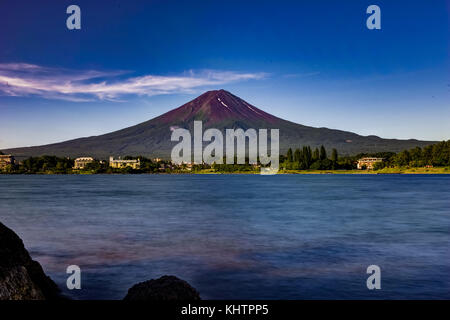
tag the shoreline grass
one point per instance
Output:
(438, 170)
(395, 170)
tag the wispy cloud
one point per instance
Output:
(301, 75)
(21, 79)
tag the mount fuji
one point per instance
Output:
(216, 109)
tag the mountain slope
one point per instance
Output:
(217, 109)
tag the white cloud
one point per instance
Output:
(301, 75)
(21, 79)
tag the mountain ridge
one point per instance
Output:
(216, 109)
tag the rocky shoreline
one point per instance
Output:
(22, 278)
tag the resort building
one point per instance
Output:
(6, 160)
(80, 163)
(118, 163)
(368, 163)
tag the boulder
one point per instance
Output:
(22, 278)
(166, 288)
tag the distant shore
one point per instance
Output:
(445, 170)
(400, 170)
(440, 170)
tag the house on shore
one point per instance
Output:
(368, 162)
(119, 164)
(80, 163)
(6, 160)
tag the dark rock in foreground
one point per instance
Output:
(22, 278)
(166, 288)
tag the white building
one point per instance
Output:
(80, 163)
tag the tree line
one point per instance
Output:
(58, 165)
(306, 158)
(317, 159)
(436, 155)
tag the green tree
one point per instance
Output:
(378, 165)
(323, 153)
(334, 158)
(307, 156)
(416, 154)
(289, 155)
(403, 158)
(297, 156)
(334, 155)
(316, 155)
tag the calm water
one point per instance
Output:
(238, 236)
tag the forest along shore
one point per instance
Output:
(432, 159)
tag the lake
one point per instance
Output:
(238, 236)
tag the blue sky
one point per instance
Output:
(311, 62)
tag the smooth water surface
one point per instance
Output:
(238, 236)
